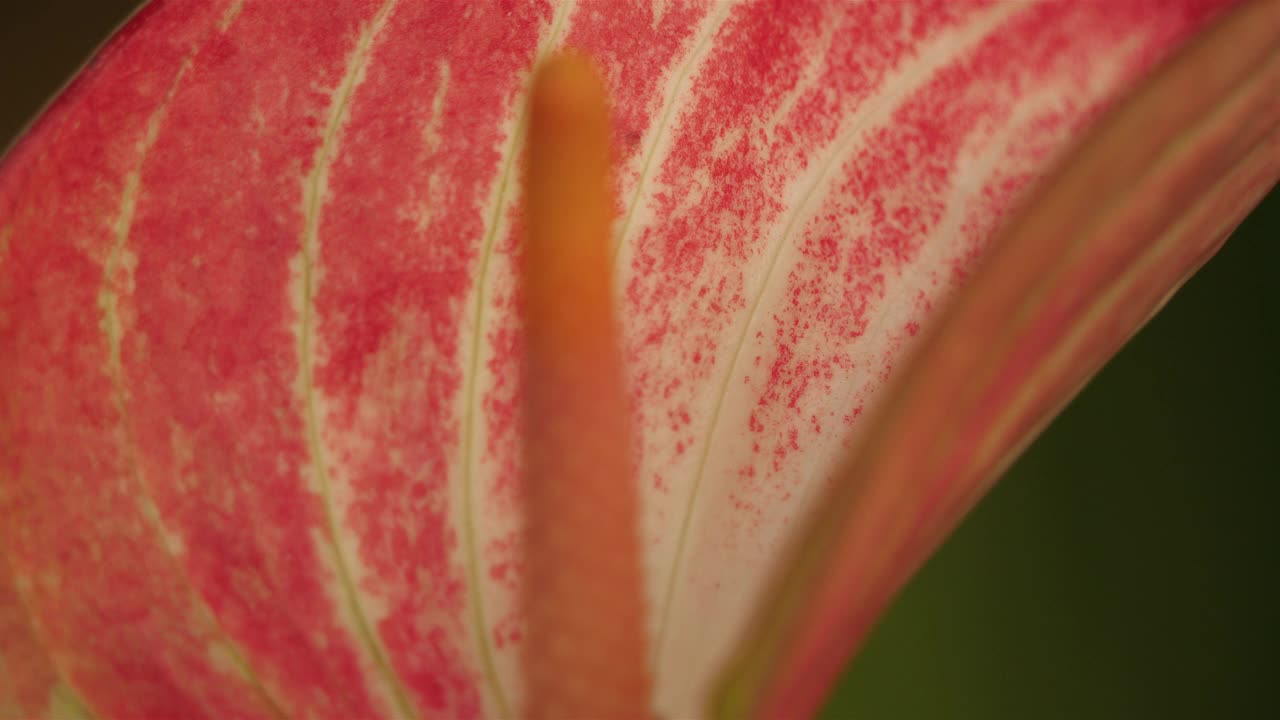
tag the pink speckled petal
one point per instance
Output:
(1148, 197)
(259, 449)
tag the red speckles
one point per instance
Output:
(212, 360)
(508, 632)
(634, 50)
(882, 210)
(400, 240)
(801, 185)
(702, 276)
(80, 531)
(669, 390)
(503, 559)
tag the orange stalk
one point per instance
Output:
(585, 655)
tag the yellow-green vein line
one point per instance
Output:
(109, 301)
(467, 480)
(313, 198)
(667, 113)
(908, 82)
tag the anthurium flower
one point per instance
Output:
(266, 379)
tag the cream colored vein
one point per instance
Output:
(314, 195)
(470, 414)
(109, 305)
(670, 103)
(876, 111)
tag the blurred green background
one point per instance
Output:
(1122, 569)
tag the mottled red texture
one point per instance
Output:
(1141, 204)
(259, 388)
(28, 677)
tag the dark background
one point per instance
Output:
(1122, 569)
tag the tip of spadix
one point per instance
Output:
(568, 86)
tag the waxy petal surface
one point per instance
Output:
(259, 449)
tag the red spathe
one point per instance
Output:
(258, 438)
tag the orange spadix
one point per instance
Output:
(586, 649)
